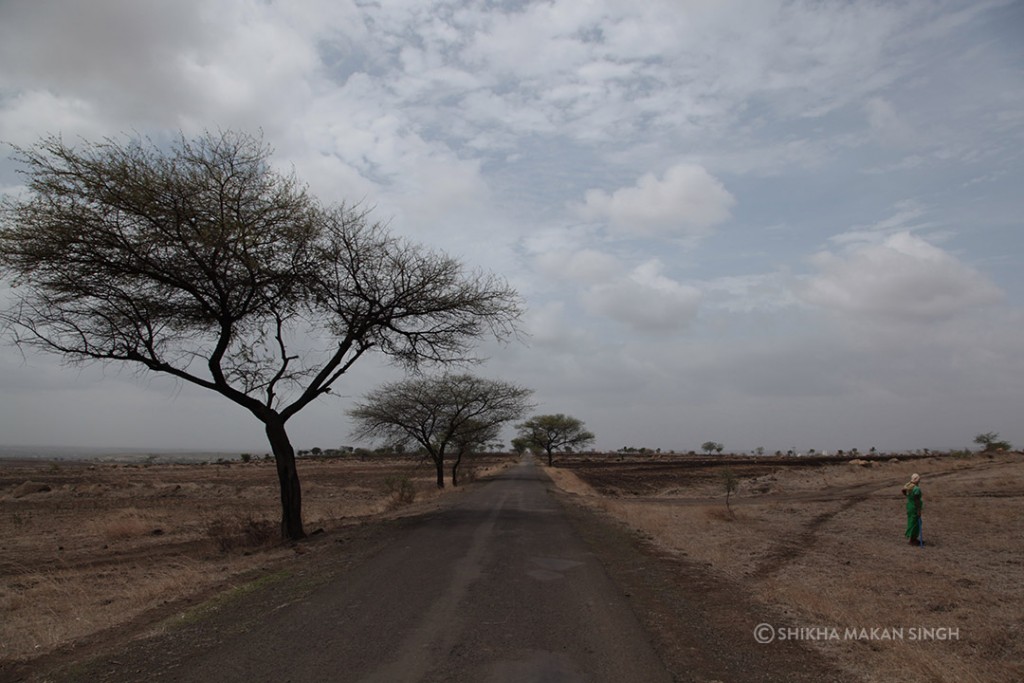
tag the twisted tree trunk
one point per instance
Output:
(288, 477)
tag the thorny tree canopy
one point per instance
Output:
(204, 263)
(551, 432)
(461, 410)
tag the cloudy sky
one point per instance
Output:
(777, 224)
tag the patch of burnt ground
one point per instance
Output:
(645, 476)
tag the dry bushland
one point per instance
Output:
(822, 545)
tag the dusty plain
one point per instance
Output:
(99, 552)
(819, 543)
(87, 547)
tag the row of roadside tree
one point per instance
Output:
(196, 258)
(451, 416)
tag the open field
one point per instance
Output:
(821, 543)
(87, 546)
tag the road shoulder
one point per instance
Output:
(702, 625)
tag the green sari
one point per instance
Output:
(914, 507)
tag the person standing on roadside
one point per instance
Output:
(912, 491)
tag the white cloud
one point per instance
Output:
(645, 300)
(687, 202)
(165, 64)
(587, 266)
(903, 279)
(548, 326)
(439, 188)
(69, 45)
(263, 56)
(908, 216)
(32, 113)
(749, 293)
(887, 125)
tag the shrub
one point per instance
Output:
(243, 533)
(401, 489)
(990, 442)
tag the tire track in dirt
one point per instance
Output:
(164, 551)
(790, 550)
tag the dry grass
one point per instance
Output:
(43, 609)
(825, 546)
(570, 483)
(92, 546)
(126, 524)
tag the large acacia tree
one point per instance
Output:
(552, 432)
(449, 414)
(200, 261)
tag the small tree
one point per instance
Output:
(710, 447)
(730, 482)
(199, 261)
(520, 445)
(553, 432)
(450, 413)
(989, 442)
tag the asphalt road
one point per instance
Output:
(495, 588)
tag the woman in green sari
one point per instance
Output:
(912, 491)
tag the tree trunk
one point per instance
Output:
(439, 462)
(288, 477)
(549, 457)
(455, 469)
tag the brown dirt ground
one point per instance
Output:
(87, 548)
(94, 554)
(818, 544)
